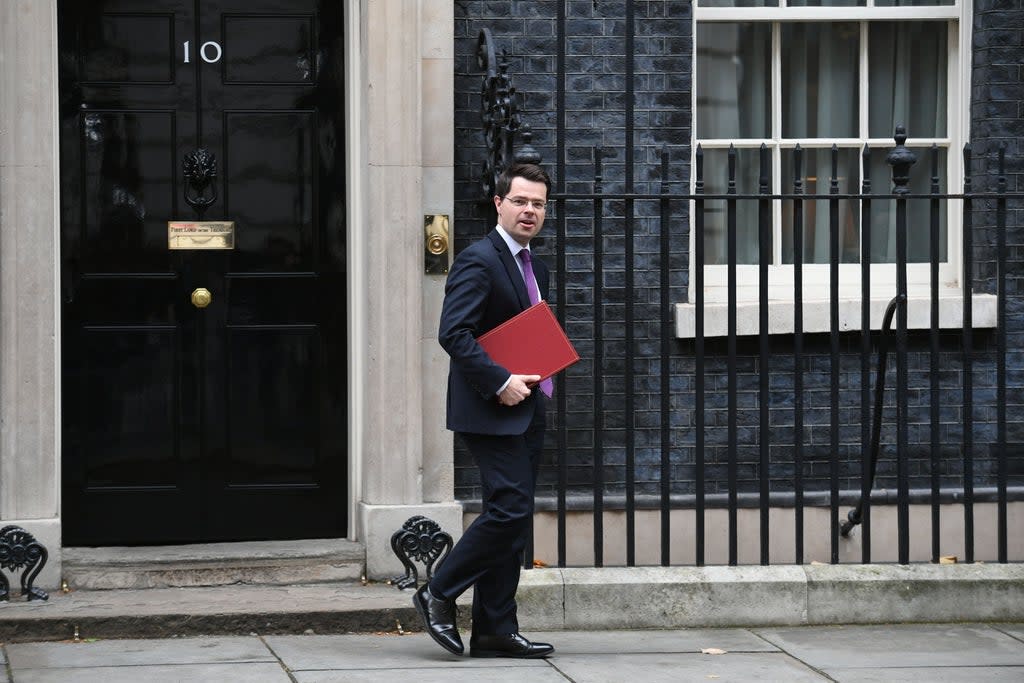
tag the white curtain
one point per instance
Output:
(733, 103)
(907, 75)
(819, 93)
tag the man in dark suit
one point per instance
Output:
(500, 418)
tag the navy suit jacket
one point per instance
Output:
(483, 290)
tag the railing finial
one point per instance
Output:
(526, 153)
(901, 159)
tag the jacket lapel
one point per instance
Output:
(511, 269)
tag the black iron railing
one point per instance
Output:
(620, 209)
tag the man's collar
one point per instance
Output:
(513, 246)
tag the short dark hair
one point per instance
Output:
(531, 172)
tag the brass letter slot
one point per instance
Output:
(201, 235)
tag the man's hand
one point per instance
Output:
(517, 389)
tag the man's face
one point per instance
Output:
(521, 211)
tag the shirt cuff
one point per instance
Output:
(498, 392)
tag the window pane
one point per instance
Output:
(817, 174)
(733, 84)
(907, 68)
(826, 3)
(738, 3)
(716, 181)
(912, 3)
(883, 212)
(819, 80)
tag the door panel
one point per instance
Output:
(134, 442)
(128, 48)
(186, 424)
(269, 49)
(265, 420)
(269, 164)
(129, 183)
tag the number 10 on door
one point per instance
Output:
(209, 51)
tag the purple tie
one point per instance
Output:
(534, 293)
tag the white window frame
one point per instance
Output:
(816, 276)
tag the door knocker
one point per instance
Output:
(200, 168)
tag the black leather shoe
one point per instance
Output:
(507, 645)
(439, 618)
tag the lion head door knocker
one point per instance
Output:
(420, 538)
(19, 548)
(200, 168)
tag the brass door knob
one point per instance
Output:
(201, 297)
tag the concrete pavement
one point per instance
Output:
(645, 624)
(920, 652)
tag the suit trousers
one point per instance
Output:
(489, 555)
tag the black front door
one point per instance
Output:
(181, 423)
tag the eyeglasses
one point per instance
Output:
(520, 202)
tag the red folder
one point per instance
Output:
(531, 343)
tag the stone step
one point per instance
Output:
(238, 609)
(271, 563)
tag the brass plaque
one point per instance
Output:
(200, 234)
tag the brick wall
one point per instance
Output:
(997, 119)
(597, 114)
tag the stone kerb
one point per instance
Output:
(783, 595)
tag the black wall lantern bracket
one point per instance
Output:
(499, 114)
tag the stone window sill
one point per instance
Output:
(816, 315)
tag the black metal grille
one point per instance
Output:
(622, 209)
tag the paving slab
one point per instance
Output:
(116, 653)
(946, 674)
(178, 673)
(1015, 630)
(437, 675)
(673, 668)
(897, 646)
(413, 651)
(636, 642)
